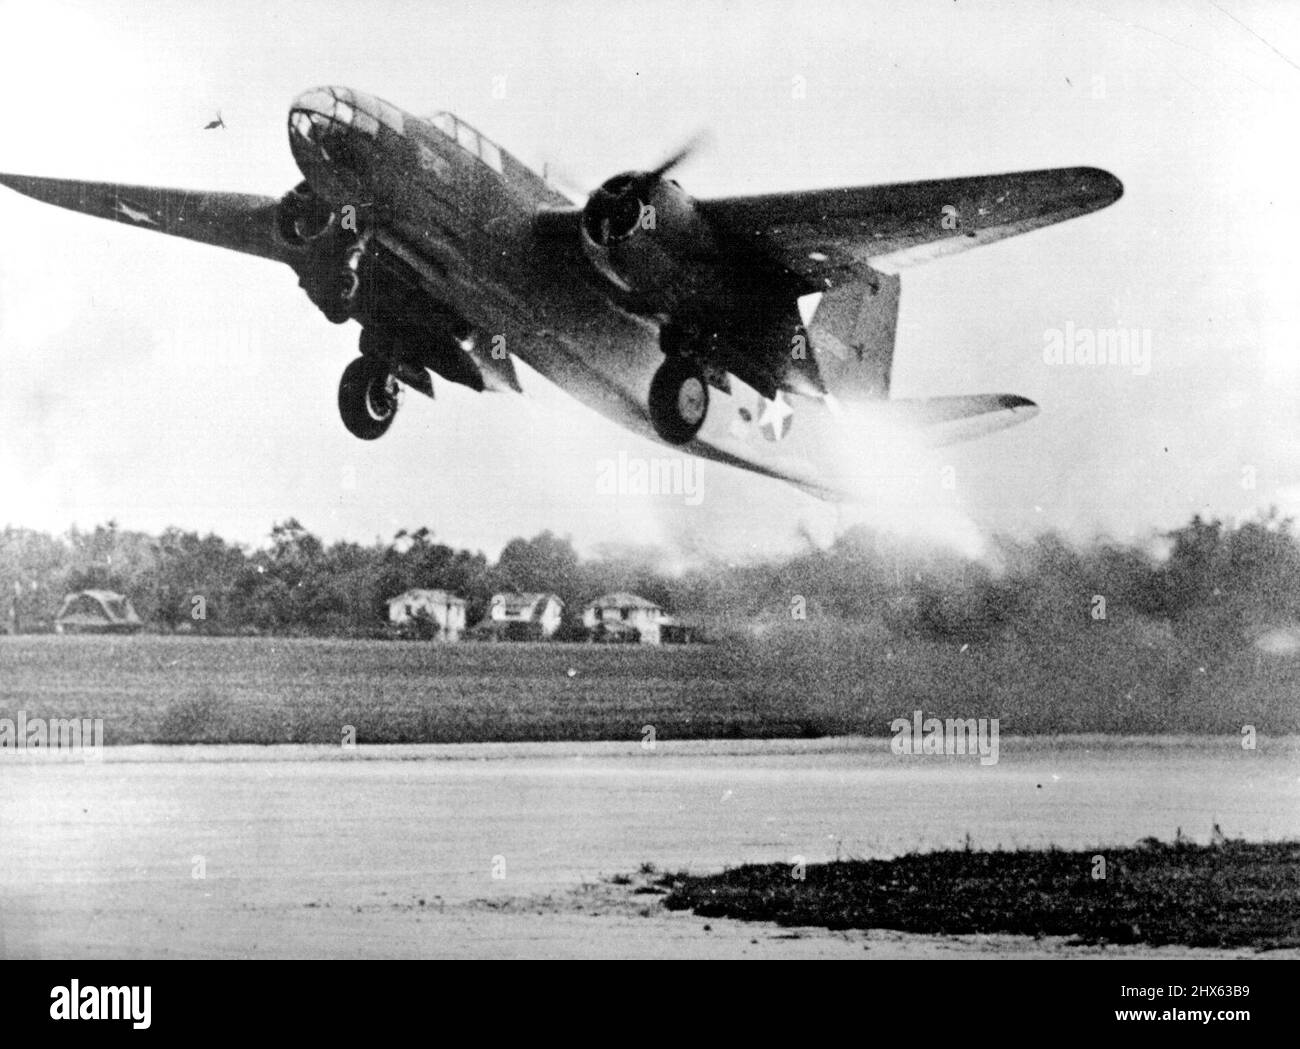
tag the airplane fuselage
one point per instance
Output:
(678, 318)
(471, 228)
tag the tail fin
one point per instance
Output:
(853, 334)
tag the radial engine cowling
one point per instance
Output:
(645, 235)
(328, 253)
(303, 217)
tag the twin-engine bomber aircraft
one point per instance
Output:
(675, 317)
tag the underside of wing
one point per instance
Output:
(239, 221)
(836, 236)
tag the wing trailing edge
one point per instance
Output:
(831, 237)
(241, 222)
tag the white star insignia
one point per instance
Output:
(775, 417)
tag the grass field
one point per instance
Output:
(271, 690)
(1235, 894)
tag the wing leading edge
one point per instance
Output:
(242, 222)
(832, 237)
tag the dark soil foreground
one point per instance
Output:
(1232, 894)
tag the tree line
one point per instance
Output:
(296, 584)
(1208, 580)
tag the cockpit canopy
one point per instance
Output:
(318, 112)
(468, 139)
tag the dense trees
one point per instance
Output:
(1207, 582)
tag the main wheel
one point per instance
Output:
(679, 399)
(367, 398)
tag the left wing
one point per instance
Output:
(833, 237)
(239, 221)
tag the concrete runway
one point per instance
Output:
(505, 850)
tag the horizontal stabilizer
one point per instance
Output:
(947, 420)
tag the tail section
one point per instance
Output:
(948, 420)
(853, 333)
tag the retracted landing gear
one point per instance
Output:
(679, 399)
(345, 282)
(368, 397)
(332, 277)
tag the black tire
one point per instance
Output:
(367, 398)
(679, 399)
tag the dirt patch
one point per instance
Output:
(1224, 895)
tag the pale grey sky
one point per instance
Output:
(129, 362)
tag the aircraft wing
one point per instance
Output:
(832, 237)
(239, 221)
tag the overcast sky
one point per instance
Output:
(129, 361)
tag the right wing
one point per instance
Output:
(241, 222)
(832, 237)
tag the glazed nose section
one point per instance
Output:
(318, 100)
(320, 128)
(315, 117)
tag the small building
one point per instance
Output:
(537, 615)
(674, 632)
(97, 612)
(616, 613)
(435, 614)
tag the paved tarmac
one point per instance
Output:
(506, 850)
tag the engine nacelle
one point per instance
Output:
(303, 217)
(330, 251)
(647, 238)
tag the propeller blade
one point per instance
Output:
(558, 176)
(691, 146)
